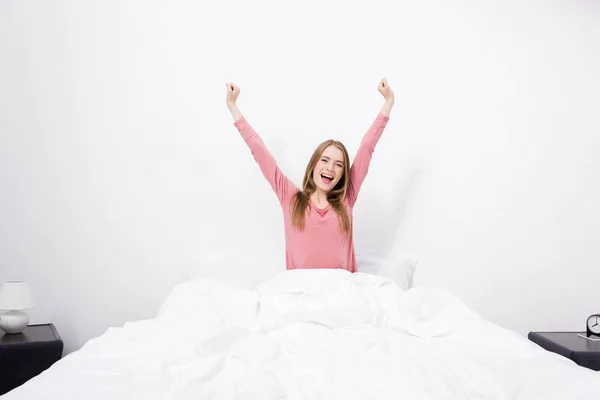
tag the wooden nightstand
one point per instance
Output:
(582, 351)
(26, 354)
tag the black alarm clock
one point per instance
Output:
(593, 326)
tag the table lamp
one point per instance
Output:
(14, 297)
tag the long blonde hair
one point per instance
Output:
(335, 197)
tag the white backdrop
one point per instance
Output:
(121, 171)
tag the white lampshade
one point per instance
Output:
(16, 295)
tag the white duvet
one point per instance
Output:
(311, 334)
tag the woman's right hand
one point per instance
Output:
(232, 93)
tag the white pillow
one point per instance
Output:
(244, 271)
(399, 269)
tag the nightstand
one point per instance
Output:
(26, 354)
(582, 351)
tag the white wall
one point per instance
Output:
(120, 169)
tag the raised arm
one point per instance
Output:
(360, 166)
(283, 187)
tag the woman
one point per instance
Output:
(318, 217)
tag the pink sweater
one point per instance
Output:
(322, 243)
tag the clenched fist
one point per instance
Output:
(386, 91)
(232, 93)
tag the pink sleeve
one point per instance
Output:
(361, 163)
(283, 187)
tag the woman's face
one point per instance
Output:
(329, 169)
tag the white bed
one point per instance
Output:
(311, 334)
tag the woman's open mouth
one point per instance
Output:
(326, 178)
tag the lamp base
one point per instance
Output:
(14, 321)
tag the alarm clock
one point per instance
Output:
(593, 325)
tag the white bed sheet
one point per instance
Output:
(311, 334)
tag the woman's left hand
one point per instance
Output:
(385, 90)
